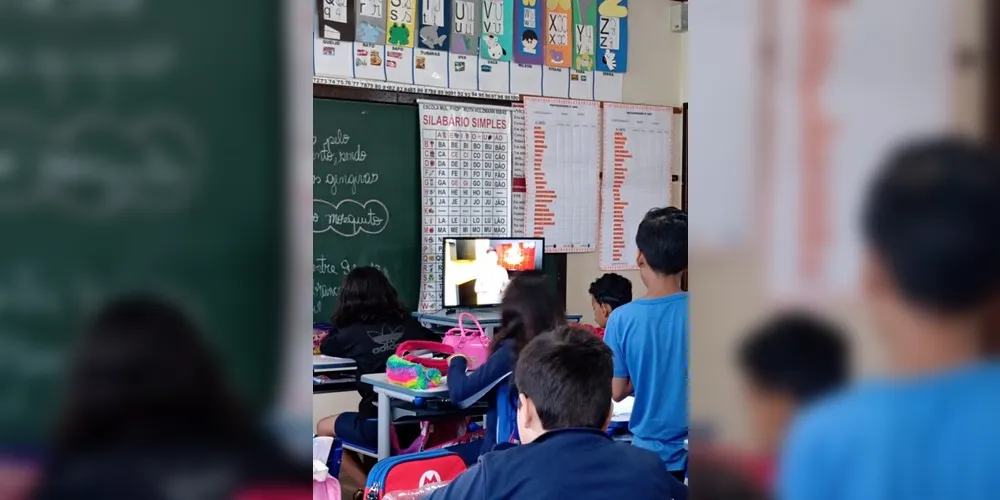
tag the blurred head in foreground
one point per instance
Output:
(564, 379)
(148, 412)
(931, 226)
(788, 361)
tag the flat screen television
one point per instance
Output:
(476, 270)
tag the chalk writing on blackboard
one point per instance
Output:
(349, 218)
(160, 174)
(323, 265)
(327, 154)
(350, 180)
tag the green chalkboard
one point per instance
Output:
(140, 150)
(366, 197)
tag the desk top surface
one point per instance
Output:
(486, 317)
(322, 361)
(381, 380)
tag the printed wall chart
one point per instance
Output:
(562, 163)
(466, 182)
(520, 187)
(554, 48)
(637, 170)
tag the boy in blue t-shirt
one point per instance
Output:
(931, 280)
(649, 340)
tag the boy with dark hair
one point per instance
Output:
(930, 279)
(787, 362)
(607, 293)
(649, 340)
(564, 405)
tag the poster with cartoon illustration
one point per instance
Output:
(528, 32)
(465, 27)
(370, 22)
(558, 44)
(332, 58)
(497, 34)
(336, 19)
(433, 24)
(401, 23)
(612, 36)
(584, 21)
(369, 61)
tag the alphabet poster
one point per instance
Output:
(402, 22)
(465, 27)
(584, 18)
(434, 23)
(612, 36)
(498, 30)
(493, 49)
(528, 17)
(336, 20)
(558, 46)
(370, 21)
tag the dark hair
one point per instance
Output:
(566, 373)
(144, 373)
(529, 35)
(528, 308)
(933, 218)
(367, 296)
(612, 289)
(797, 353)
(662, 238)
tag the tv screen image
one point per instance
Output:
(477, 270)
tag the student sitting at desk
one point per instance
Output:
(527, 309)
(564, 384)
(607, 293)
(368, 324)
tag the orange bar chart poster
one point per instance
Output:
(562, 172)
(636, 172)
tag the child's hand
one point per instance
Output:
(456, 356)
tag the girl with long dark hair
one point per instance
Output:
(368, 325)
(528, 309)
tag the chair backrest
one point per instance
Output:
(506, 431)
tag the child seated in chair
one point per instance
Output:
(528, 308)
(607, 293)
(370, 321)
(563, 406)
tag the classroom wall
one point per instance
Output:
(657, 75)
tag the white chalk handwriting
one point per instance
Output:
(349, 218)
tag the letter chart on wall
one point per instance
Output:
(466, 182)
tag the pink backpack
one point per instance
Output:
(473, 344)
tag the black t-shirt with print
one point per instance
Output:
(370, 345)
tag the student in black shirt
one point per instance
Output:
(368, 325)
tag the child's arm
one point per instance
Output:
(333, 345)
(467, 388)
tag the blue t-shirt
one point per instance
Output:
(649, 339)
(936, 436)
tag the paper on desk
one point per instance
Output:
(321, 448)
(622, 410)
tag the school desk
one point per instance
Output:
(340, 370)
(401, 405)
(489, 318)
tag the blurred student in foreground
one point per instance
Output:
(789, 361)
(149, 416)
(564, 406)
(929, 429)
